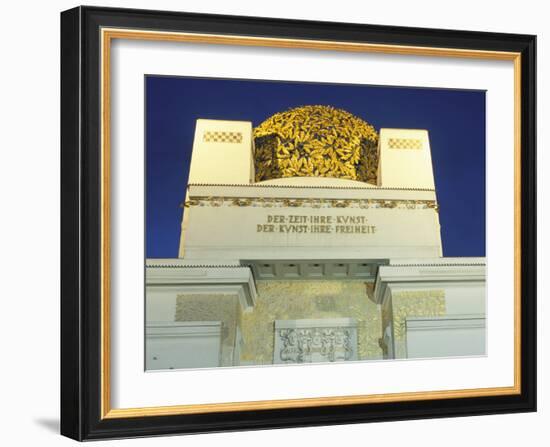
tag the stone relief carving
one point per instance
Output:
(316, 345)
(318, 340)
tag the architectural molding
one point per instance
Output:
(183, 329)
(310, 203)
(446, 322)
(206, 280)
(442, 272)
(265, 184)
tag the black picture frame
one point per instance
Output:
(81, 214)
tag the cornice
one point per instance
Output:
(287, 202)
(260, 185)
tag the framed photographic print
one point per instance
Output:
(273, 223)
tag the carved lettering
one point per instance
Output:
(302, 224)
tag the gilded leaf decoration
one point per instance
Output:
(316, 141)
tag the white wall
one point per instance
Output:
(30, 218)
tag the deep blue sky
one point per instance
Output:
(455, 120)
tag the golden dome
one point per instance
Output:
(316, 141)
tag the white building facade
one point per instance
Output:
(307, 240)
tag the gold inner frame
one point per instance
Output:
(107, 35)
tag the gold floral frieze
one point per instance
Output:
(222, 137)
(316, 141)
(405, 143)
(415, 303)
(212, 307)
(278, 202)
(434, 293)
(295, 300)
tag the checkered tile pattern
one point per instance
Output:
(404, 143)
(222, 137)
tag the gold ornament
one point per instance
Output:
(316, 141)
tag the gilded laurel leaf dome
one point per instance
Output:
(316, 141)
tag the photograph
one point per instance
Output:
(281, 223)
(310, 222)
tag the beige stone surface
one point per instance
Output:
(212, 307)
(286, 300)
(416, 303)
(405, 159)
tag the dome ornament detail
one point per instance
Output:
(316, 141)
